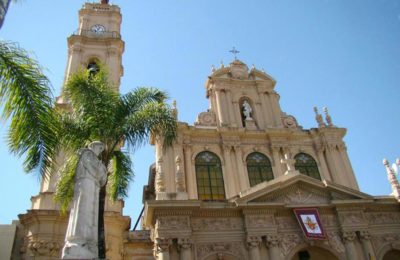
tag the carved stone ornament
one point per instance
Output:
(44, 248)
(239, 70)
(253, 241)
(289, 121)
(162, 244)
(220, 249)
(290, 241)
(172, 223)
(185, 243)
(348, 236)
(259, 221)
(206, 119)
(335, 242)
(297, 195)
(215, 224)
(273, 240)
(351, 219)
(160, 182)
(383, 218)
(179, 175)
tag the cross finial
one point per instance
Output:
(234, 52)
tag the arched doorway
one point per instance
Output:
(313, 253)
(392, 255)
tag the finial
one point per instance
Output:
(263, 70)
(222, 64)
(212, 68)
(253, 67)
(328, 117)
(391, 171)
(398, 161)
(319, 119)
(104, 2)
(234, 52)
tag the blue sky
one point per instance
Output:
(336, 53)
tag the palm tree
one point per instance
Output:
(98, 112)
(25, 95)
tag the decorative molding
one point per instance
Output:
(44, 247)
(172, 223)
(335, 242)
(216, 224)
(260, 221)
(379, 218)
(290, 241)
(253, 241)
(220, 248)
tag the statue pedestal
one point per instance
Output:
(250, 124)
(292, 173)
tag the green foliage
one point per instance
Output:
(121, 175)
(100, 113)
(25, 95)
(65, 186)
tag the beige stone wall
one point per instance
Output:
(7, 235)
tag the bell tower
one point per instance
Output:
(97, 40)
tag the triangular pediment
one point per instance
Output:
(298, 190)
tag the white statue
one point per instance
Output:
(82, 232)
(247, 110)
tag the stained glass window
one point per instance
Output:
(210, 182)
(259, 168)
(306, 165)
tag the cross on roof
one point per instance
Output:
(234, 52)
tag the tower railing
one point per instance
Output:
(92, 34)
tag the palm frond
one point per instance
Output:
(136, 99)
(154, 118)
(120, 176)
(65, 185)
(25, 94)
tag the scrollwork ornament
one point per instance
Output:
(348, 236)
(162, 244)
(365, 235)
(253, 241)
(273, 240)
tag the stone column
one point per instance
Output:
(231, 110)
(274, 98)
(331, 163)
(243, 176)
(260, 119)
(276, 161)
(253, 243)
(342, 150)
(231, 185)
(185, 248)
(325, 172)
(162, 248)
(267, 114)
(273, 247)
(348, 239)
(220, 107)
(190, 177)
(367, 245)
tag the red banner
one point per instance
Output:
(310, 223)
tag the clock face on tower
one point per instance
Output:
(98, 28)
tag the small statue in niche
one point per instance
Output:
(247, 110)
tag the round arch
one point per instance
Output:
(314, 252)
(388, 251)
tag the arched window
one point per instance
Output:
(93, 67)
(210, 183)
(306, 165)
(259, 168)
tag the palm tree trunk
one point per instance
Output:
(101, 232)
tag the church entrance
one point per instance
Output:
(392, 255)
(314, 253)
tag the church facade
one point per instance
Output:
(246, 181)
